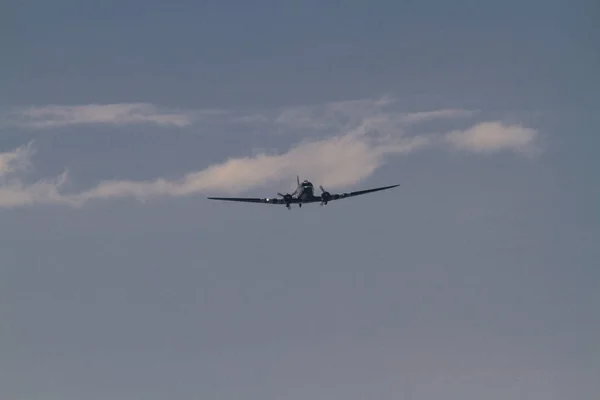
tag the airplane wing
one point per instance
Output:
(323, 197)
(339, 196)
(254, 200)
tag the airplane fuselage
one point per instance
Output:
(306, 192)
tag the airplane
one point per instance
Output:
(303, 194)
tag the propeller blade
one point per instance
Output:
(322, 190)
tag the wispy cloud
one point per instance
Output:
(360, 137)
(332, 115)
(15, 160)
(14, 192)
(52, 116)
(416, 117)
(345, 114)
(487, 137)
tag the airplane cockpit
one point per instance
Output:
(307, 187)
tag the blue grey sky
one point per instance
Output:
(476, 278)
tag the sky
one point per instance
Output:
(476, 278)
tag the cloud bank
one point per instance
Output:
(360, 136)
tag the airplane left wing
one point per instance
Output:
(254, 200)
(325, 197)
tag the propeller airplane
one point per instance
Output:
(303, 194)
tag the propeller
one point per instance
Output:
(325, 196)
(287, 198)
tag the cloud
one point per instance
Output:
(487, 137)
(334, 162)
(333, 115)
(16, 160)
(52, 116)
(357, 138)
(344, 114)
(18, 194)
(416, 117)
(13, 192)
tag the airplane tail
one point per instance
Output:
(297, 187)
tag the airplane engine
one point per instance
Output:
(325, 196)
(287, 199)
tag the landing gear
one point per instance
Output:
(299, 204)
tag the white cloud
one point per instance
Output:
(359, 136)
(52, 116)
(487, 137)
